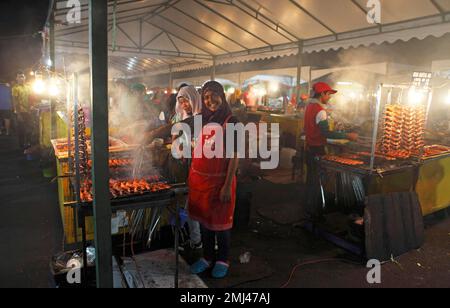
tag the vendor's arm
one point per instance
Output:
(165, 131)
(225, 193)
(325, 129)
(160, 132)
(324, 125)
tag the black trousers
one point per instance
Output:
(209, 244)
(314, 194)
(24, 128)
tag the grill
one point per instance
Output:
(360, 163)
(126, 189)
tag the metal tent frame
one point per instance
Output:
(181, 28)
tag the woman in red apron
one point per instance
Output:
(212, 186)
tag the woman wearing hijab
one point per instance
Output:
(212, 183)
(189, 104)
(212, 187)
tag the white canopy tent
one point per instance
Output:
(159, 36)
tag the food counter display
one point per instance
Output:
(146, 178)
(400, 159)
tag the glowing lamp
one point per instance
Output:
(274, 87)
(39, 86)
(415, 96)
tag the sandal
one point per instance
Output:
(220, 270)
(200, 266)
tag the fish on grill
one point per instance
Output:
(125, 188)
(343, 160)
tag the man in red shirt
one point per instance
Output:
(317, 130)
(249, 98)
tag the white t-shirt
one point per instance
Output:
(321, 116)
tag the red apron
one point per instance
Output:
(206, 179)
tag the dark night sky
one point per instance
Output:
(21, 18)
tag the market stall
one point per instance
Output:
(398, 158)
(434, 176)
(139, 188)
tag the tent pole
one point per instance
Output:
(299, 69)
(309, 80)
(170, 77)
(213, 71)
(53, 130)
(98, 53)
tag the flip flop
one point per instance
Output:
(200, 266)
(220, 270)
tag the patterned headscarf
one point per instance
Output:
(191, 94)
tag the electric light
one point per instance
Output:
(53, 90)
(39, 86)
(274, 87)
(415, 96)
(345, 83)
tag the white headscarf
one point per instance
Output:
(191, 94)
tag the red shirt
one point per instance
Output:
(314, 136)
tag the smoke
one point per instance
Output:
(356, 75)
(130, 117)
(353, 104)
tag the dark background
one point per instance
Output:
(20, 41)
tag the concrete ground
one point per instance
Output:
(30, 227)
(285, 247)
(31, 232)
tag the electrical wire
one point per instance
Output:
(312, 262)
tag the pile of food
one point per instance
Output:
(399, 154)
(126, 188)
(377, 155)
(403, 131)
(116, 163)
(82, 141)
(344, 160)
(62, 148)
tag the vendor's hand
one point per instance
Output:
(149, 137)
(225, 194)
(352, 136)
